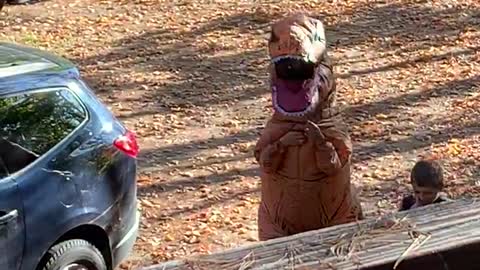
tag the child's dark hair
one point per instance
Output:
(427, 173)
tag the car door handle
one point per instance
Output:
(7, 217)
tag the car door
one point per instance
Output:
(35, 126)
(11, 225)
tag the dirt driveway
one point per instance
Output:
(190, 78)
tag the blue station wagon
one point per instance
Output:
(67, 169)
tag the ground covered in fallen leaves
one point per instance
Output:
(190, 78)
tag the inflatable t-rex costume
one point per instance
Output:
(304, 151)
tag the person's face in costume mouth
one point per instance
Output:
(293, 86)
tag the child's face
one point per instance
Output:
(425, 195)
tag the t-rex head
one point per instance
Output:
(298, 37)
(297, 46)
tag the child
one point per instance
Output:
(427, 182)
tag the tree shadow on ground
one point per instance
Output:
(196, 208)
(399, 26)
(380, 149)
(458, 52)
(390, 105)
(362, 154)
(197, 182)
(402, 31)
(192, 80)
(185, 151)
(199, 71)
(458, 88)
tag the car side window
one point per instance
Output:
(33, 123)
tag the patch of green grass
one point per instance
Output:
(30, 39)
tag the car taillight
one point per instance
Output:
(127, 143)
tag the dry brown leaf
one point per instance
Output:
(191, 80)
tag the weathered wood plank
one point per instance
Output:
(362, 245)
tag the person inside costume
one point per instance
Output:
(304, 151)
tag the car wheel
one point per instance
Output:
(17, 2)
(74, 255)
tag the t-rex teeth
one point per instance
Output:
(315, 99)
(281, 57)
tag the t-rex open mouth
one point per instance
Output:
(297, 47)
(294, 86)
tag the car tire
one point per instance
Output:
(74, 254)
(17, 2)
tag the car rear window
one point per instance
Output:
(33, 123)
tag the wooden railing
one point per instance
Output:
(435, 237)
